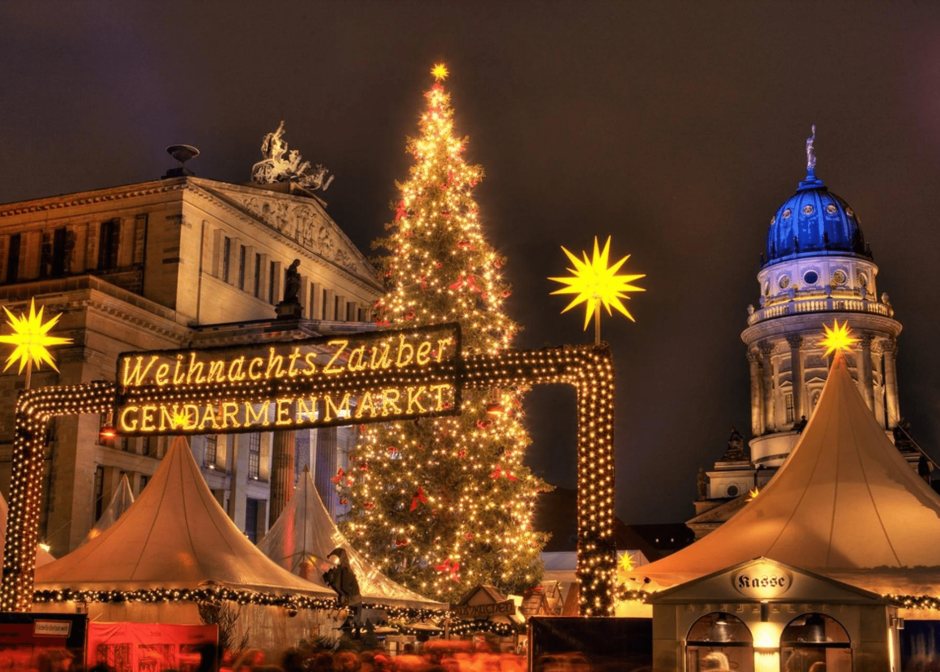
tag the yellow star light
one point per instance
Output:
(838, 339)
(31, 338)
(440, 72)
(626, 562)
(595, 283)
(752, 495)
(183, 420)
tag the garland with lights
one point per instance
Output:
(920, 602)
(220, 593)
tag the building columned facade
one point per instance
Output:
(818, 268)
(177, 262)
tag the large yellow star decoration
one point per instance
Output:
(838, 339)
(31, 338)
(440, 72)
(596, 284)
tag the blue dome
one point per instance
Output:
(814, 221)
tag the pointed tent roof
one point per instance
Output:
(120, 502)
(174, 536)
(304, 534)
(845, 504)
(42, 557)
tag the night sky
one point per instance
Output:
(676, 128)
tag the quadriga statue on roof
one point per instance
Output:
(279, 165)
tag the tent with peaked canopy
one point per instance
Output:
(845, 504)
(176, 536)
(304, 534)
(120, 502)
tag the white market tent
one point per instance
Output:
(845, 504)
(177, 536)
(174, 536)
(304, 534)
(120, 502)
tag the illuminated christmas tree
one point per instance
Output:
(444, 504)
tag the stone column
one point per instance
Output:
(891, 381)
(879, 394)
(282, 473)
(864, 371)
(753, 361)
(796, 374)
(326, 468)
(767, 350)
(238, 496)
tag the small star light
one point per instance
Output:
(31, 338)
(752, 495)
(837, 339)
(182, 420)
(596, 284)
(626, 562)
(440, 72)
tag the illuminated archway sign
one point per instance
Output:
(356, 379)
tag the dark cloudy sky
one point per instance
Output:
(678, 128)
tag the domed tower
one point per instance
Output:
(818, 269)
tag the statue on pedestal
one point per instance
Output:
(735, 451)
(290, 307)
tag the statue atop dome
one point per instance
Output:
(811, 154)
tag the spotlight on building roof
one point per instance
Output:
(181, 153)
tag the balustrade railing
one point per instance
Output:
(819, 305)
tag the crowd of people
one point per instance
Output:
(436, 657)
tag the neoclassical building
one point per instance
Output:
(173, 263)
(818, 269)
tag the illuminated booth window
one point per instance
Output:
(815, 638)
(719, 641)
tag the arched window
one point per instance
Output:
(719, 641)
(815, 638)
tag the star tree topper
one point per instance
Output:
(440, 72)
(32, 340)
(596, 284)
(838, 339)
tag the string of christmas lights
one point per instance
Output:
(443, 505)
(589, 369)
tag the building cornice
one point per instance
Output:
(809, 324)
(93, 197)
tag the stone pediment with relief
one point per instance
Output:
(305, 223)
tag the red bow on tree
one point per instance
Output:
(419, 497)
(499, 471)
(400, 212)
(339, 476)
(451, 567)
